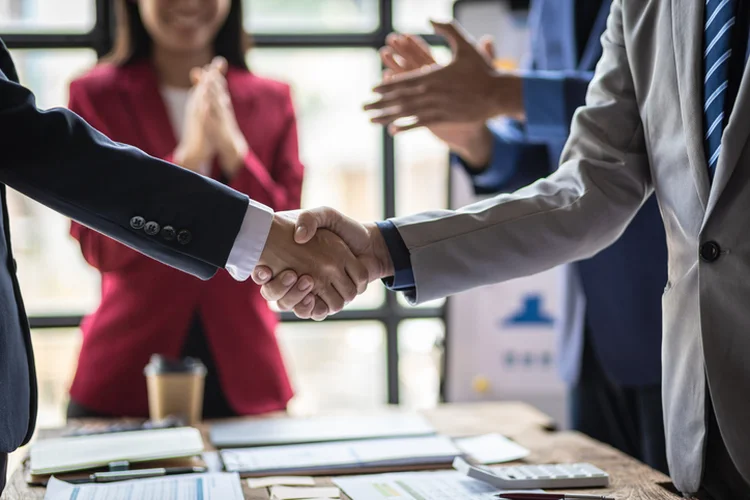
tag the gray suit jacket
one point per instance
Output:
(641, 130)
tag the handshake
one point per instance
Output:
(317, 261)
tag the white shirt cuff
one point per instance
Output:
(250, 241)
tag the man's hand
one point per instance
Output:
(338, 276)
(467, 90)
(364, 240)
(472, 141)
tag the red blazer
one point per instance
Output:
(146, 306)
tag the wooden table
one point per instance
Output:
(630, 479)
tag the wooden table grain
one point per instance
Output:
(630, 479)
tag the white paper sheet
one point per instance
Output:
(219, 486)
(265, 482)
(309, 457)
(291, 493)
(491, 448)
(441, 485)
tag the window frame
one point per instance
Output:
(390, 313)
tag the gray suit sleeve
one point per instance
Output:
(574, 213)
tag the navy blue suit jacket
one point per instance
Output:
(622, 284)
(56, 158)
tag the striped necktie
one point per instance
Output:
(719, 20)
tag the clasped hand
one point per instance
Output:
(316, 261)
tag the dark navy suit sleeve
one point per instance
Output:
(515, 161)
(550, 100)
(525, 152)
(403, 276)
(56, 158)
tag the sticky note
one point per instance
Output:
(265, 482)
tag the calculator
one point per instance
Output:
(512, 477)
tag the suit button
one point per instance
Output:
(168, 233)
(184, 237)
(151, 228)
(137, 222)
(710, 251)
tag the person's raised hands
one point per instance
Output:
(221, 122)
(467, 90)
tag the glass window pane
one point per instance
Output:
(413, 16)
(38, 16)
(56, 352)
(420, 351)
(305, 16)
(54, 277)
(335, 364)
(341, 149)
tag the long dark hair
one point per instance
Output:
(133, 43)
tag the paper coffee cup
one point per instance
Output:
(175, 388)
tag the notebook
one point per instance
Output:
(317, 430)
(339, 457)
(68, 454)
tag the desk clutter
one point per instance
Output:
(172, 462)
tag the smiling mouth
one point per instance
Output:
(185, 20)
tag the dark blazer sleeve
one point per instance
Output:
(56, 158)
(515, 160)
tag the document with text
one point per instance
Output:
(440, 485)
(217, 486)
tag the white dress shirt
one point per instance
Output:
(251, 239)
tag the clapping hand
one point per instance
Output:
(467, 90)
(405, 53)
(211, 127)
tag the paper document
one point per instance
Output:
(441, 485)
(491, 449)
(341, 455)
(265, 482)
(219, 486)
(289, 493)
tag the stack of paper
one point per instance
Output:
(342, 456)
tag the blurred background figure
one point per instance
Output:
(610, 339)
(177, 86)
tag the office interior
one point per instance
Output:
(378, 350)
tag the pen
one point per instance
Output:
(550, 496)
(108, 477)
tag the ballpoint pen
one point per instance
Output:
(550, 496)
(110, 477)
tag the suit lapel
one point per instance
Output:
(733, 140)
(148, 112)
(687, 33)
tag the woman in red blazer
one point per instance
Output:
(177, 86)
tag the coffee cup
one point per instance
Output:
(175, 388)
